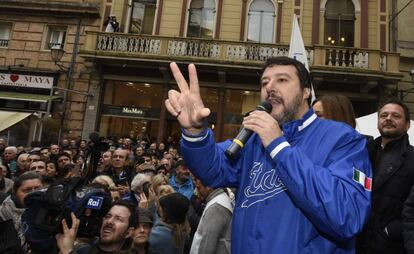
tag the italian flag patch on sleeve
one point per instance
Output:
(362, 179)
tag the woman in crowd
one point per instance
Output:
(335, 107)
(142, 232)
(170, 233)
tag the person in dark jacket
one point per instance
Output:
(408, 225)
(392, 158)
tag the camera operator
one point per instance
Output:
(118, 226)
(93, 153)
(13, 207)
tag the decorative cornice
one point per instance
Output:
(54, 8)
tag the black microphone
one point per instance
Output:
(244, 134)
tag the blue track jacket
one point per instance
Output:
(301, 194)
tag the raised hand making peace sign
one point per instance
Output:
(187, 105)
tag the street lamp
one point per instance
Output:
(56, 53)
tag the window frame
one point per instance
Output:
(3, 43)
(143, 23)
(246, 34)
(51, 29)
(330, 17)
(187, 20)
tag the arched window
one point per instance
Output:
(201, 19)
(261, 25)
(143, 14)
(339, 23)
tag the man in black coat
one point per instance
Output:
(392, 158)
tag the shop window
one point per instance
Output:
(339, 23)
(201, 19)
(5, 30)
(131, 107)
(261, 26)
(143, 16)
(238, 103)
(55, 38)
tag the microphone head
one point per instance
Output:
(265, 106)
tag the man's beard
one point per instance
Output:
(290, 111)
(391, 134)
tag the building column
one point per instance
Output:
(279, 21)
(364, 25)
(243, 20)
(218, 19)
(315, 22)
(163, 114)
(183, 17)
(158, 17)
(91, 115)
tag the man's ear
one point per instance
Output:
(306, 93)
(130, 232)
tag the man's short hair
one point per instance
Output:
(63, 154)
(133, 218)
(24, 177)
(139, 180)
(36, 152)
(11, 148)
(303, 73)
(398, 102)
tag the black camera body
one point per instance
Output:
(46, 209)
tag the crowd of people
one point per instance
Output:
(157, 203)
(304, 182)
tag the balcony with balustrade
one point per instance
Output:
(233, 52)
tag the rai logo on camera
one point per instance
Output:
(94, 202)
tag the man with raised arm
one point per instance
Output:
(303, 183)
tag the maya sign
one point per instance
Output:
(20, 80)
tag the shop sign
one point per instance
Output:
(20, 80)
(135, 111)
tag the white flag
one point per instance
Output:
(297, 49)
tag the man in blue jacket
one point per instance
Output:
(303, 183)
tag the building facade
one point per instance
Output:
(347, 44)
(402, 41)
(47, 95)
(123, 75)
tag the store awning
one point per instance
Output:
(9, 118)
(27, 97)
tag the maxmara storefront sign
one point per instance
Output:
(135, 111)
(20, 80)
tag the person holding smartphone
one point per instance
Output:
(120, 172)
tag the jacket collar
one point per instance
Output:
(291, 129)
(401, 143)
